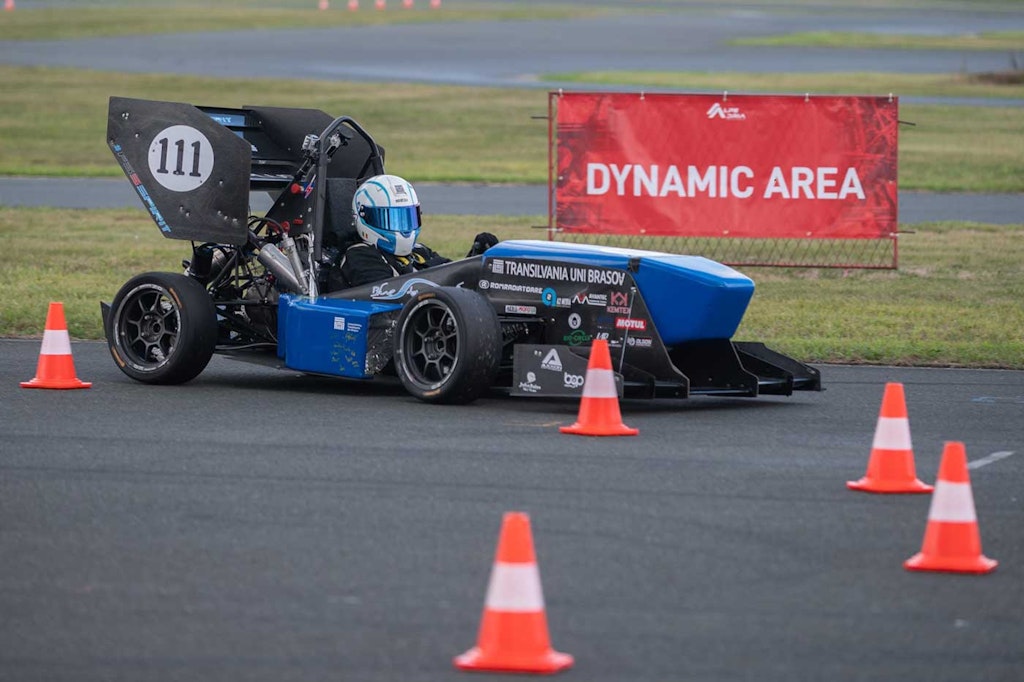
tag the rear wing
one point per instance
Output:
(193, 167)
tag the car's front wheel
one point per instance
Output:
(448, 345)
(162, 328)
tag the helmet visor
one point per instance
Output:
(393, 219)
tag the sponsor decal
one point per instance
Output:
(631, 323)
(639, 342)
(572, 380)
(498, 266)
(387, 291)
(551, 299)
(612, 343)
(575, 321)
(515, 288)
(530, 385)
(577, 337)
(551, 361)
(583, 298)
(563, 273)
(521, 309)
(619, 303)
(343, 325)
(484, 284)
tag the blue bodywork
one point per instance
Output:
(689, 297)
(328, 335)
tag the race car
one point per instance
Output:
(519, 318)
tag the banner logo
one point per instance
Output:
(727, 113)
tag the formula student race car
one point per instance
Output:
(519, 317)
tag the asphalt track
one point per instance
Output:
(264, 525)
(485, 200)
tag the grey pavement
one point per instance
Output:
(525, 53)
(480, 199)
(263, 525)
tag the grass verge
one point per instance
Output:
(452, 134)
(991, 41)
(60, 23)
(954, 302)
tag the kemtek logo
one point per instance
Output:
(727, 113)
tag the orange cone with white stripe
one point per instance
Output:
(599, 409)
(56, 367)
(514, 631)
(891, 466)
(952, 541)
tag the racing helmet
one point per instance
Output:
(387, 214)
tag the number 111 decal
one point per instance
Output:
(181, 158)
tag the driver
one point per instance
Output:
(387, 218)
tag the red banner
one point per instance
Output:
(726, 166)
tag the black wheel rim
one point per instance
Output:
(148, 326)
(431, 341)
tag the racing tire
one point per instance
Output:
(447, 346)
(162, 328)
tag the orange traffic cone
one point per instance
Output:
(891, 466)
(381, 4)
(353, 5)
(435, 4)
(407, 4)
(324, 4)
(514, 631)
(9, 5)
(951, 539)
(599, 409)
(56, 367)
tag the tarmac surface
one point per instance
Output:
(258, 525)
(525, 53)
(265, 525)
(482, 199)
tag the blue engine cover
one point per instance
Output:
(689, 297)
(326, 336)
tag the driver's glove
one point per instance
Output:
(481, 243)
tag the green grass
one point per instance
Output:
(430, 132)
(445, 133)
(168, 17)
(992, 41)
(955, 300)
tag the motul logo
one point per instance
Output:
(630, 323)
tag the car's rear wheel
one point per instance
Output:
(162, 328)
(448, 345)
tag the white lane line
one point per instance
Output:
(994, 457)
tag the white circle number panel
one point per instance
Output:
(181, 158)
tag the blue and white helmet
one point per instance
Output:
(387, 214)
